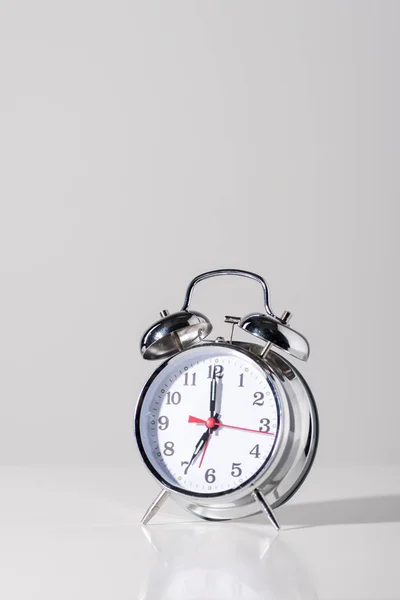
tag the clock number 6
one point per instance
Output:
(210, 475)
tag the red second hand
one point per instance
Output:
(204, 451)
(216, 424)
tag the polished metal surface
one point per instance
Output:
(232, 321)
(297, 437)
(266, 508)
(174, 333)
(275, 332)
(291, 458)
(155, 506)
(235, 272)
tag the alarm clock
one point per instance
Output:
(228, 428)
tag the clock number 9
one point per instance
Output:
(210, 475)
(169, 448)
(163, 423)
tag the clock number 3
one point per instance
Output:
(265, 425)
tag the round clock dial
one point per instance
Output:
(208, 420)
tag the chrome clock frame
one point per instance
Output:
(295, 446)
(287, 464)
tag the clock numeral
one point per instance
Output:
(210, 475)
(217, 370)
(236, 470)
(169, 448)
(265, 425)
(259, 398)
(163, 423)
(185, 462)
(187, 379)
(173, 398)
(241, 376)
(255, 451)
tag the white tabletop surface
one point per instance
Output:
(74, 532)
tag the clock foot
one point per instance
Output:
(155, 506)
(266, 508)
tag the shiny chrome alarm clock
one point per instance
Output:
(228, 428)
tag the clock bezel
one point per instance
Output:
(241, 490)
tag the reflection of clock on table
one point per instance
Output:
(227, 428)
(199, 560)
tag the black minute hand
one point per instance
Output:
(213, 395)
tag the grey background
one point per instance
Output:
(144, 142)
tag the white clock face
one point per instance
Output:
(208, 421)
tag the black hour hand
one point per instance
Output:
(199, 447)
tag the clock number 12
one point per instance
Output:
(217, 372)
